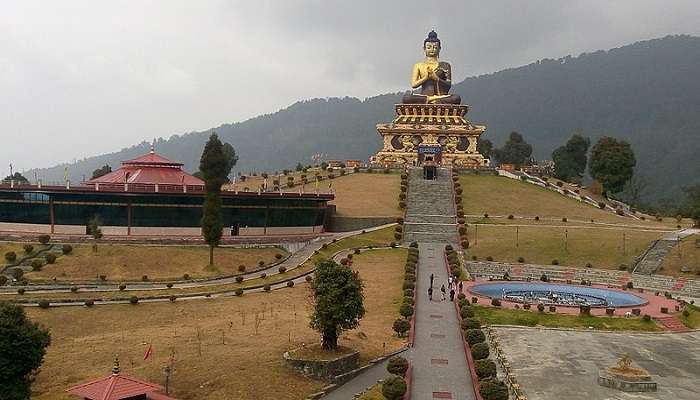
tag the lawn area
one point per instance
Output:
(6, 247)
(693, 319)
(685, 254)
(249, 365)
(130, 262)
(367, 195)
(497, 195)
(573, 246)
(501, 316)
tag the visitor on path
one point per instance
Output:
(460, 286)
(443, 290)
(430, 293)
(452, 295)
(449, 281)
(432, 277)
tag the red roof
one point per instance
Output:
(149, 169)
(117, 387)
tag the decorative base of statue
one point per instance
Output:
(438, 133)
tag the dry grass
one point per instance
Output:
(6, 247)
(367, 195)
(603, 248)
(130, 262)
(685, 254)
(249, 365)
(504, 196)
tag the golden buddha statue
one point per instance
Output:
(434, 77)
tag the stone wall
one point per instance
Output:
(348, 224)
(324, 369)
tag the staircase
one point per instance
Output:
(672, 323)
(651, 260)
(430, 209)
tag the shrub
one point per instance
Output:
(356, 251)
(267, 288)
(466, 312)
(646, 318)
(402, 204)
(544, 278)
(263, 275)
(278, 256)
(564, 219)
(408, 285)
(3, 280)
(489, 258)
(239, 292)
(169, 285)
(309, 278)
(496, 302)
(133, 300)
(474, 336)
(186, 277)
(552, 309)
(486, 215)
(89, 303)
(261, 263)
(537, 218)
(239, 279)
(475, 300)
(585, 310)
(470, 323)
(410, 277)
(241, 268)
(401, 326)
(28, 248)
(555, 262)
(510, 216)
(10, 256)
(462, 303)
(540, 307)
(144, 278)
(44, 304)
(406, 310)
(408, 293)
(20, 291)
(414, 245)
(122, 287)
(290, 283)
(393, 388)
(630, 285)
(397, 365)
(686, 313)
(589, 265)
(493, 389)
(282, 270)
(43, 239)
(392, 245)
(16, 273)
(50, 258)
(521, 259)
(465, 244)
(408, 300)
(480, 351)
(36, 265)
(74, 289)
(66, 249)
(485, 368)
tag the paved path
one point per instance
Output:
(362, 382)
(439, 363)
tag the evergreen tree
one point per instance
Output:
(612, 163)
(299, 167)
(95, 230)
(103, 170)
(22, 348)
(215, 165)
(691, 206)
(337, 300)
(17, 177)
(515, 151)
(570, 159)
(485, 147)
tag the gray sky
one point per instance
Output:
(79, 78)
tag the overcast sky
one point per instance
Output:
(79, 78)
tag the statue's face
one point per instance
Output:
(432, 49)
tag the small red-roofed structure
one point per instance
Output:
(118, 387)
(149, 169)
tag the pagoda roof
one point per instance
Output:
(117, 387)
(149, 169)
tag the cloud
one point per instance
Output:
(79, 78)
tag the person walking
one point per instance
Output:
(432, 277)
(452, 295)
(443, 290)
(460, 286)
(430, 293)
(449, 281)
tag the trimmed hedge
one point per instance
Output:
(480, 351)
(393, 388)
(397, 365)
(485, 368)
(474, 336)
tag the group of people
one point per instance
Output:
(453, 284)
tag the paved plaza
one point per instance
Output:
(556, 364)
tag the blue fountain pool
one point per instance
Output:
(549, 293)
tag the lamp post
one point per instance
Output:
(167, 372)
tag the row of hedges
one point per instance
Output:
(404, 192)
(461, 221)
(402, 325)
(453, 262)
(489, 387)
(394, 387)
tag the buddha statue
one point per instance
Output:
(432, 76)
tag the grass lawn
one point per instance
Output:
(130, 262)
(367, 195)
(693, 319)
(501, 316)
(249, 365)
(685, 254)
(601, 247)
(497, 195)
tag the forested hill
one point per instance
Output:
(647, 93)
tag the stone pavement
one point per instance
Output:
(440, 368)
(362, 382)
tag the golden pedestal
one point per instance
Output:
(430, 132)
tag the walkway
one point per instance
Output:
(654, 256)
(440, 368)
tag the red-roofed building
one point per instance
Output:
(149, 169)
(118, 387)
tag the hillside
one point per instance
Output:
(646, 93)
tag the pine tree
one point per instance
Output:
(570, 159)
(215, 164)
(515, 151)
(612, 163)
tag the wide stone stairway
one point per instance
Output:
(430, 209)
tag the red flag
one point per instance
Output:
(148, 352)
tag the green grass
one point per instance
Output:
(501, 316)
(693, 319)
(374, 393)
